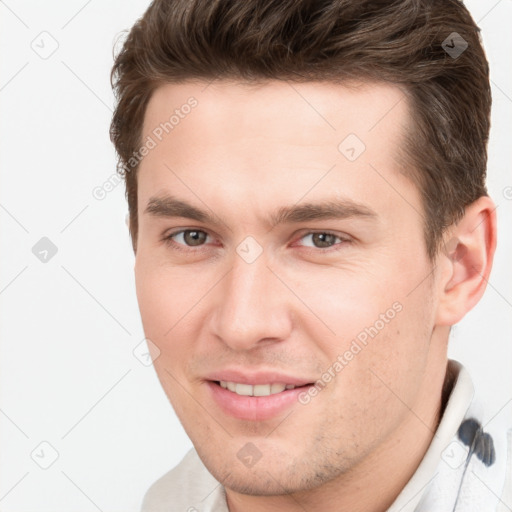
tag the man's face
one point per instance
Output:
(273, 291)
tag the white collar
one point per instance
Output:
(456, 407)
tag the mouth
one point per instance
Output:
(255, 402)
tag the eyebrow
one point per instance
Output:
(169, 206)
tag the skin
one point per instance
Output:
(242, 153)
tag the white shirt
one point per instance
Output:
(463, 470)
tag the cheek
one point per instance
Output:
(167, 298)
(379, 378)
(382, 320)
(347, 299)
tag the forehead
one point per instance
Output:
(265, 141)
(310, 112)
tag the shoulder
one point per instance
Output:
(182, 487)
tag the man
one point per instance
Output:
(306, 186)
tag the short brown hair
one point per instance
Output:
(405, 42)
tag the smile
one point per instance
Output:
(256, 390)
(254, 402)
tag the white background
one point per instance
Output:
(69, 326)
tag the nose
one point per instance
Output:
(252, 306)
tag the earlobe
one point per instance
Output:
(467, 255)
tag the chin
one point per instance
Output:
(261, 483)
(268, 477)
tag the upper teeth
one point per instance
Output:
(257, 390)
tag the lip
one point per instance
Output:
(254, 408)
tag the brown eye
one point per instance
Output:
(323, 240)
(188, 237)
(320, 240)
(194, 237)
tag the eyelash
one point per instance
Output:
(169, 240)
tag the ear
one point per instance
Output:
(466, 261)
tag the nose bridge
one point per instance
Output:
(251, 306)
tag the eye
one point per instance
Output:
(187, 237)
(322, 240)
(190, 238)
